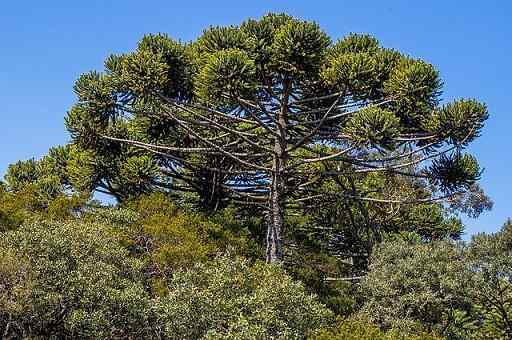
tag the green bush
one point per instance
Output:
(76, 279)
(415, 286)
(17, 207)
(361, 329)
(459, 291)
(490, 258)
(169, 238)
(228, 299)
(70, 280)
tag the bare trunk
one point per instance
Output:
(278, 190)
(275, 222)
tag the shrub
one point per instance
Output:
(490, 259)
(169, 238)
(361, 329)
(69, 280)
(415, 286)
(75, 279)
(234, 300)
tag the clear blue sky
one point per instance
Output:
(45, 45)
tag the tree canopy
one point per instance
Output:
(261, 113)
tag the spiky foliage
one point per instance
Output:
(231, 116)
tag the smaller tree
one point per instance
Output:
(413, 286)
(39, 187)
(47, 177)
(460, 291)
(490, 256)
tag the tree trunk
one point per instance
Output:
(275, 221)
(278, 189)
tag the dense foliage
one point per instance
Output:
(72, 280)
(459, 291)
(150, 269)
(77, 280)
(362, 329)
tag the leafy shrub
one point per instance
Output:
(75, 279)
(490, 259)
(361, 329)
(228, 299)
(13, 210)
(461, 292)
(415, 286)
(173, 239)
(17, 207)
(69, 280)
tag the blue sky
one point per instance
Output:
(47, 44)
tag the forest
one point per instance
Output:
(263, 181)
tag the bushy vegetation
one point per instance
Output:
(457, 290)
(233, 300)
(411, 286)
(70, 279)
(78, 280)
(363, 329)
(148, 269)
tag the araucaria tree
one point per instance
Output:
(262, 112)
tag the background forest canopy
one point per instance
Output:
(291, 184)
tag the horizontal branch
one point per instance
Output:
(372, 168)
(221, 114)
(381, 200)
(354, 278)
(392, 158)
(244, 194)
(219, 148)
(160, 147)
(240, 134)
(332, 95)
(348, 113)
(325, 158)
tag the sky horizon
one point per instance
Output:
(46, 46)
